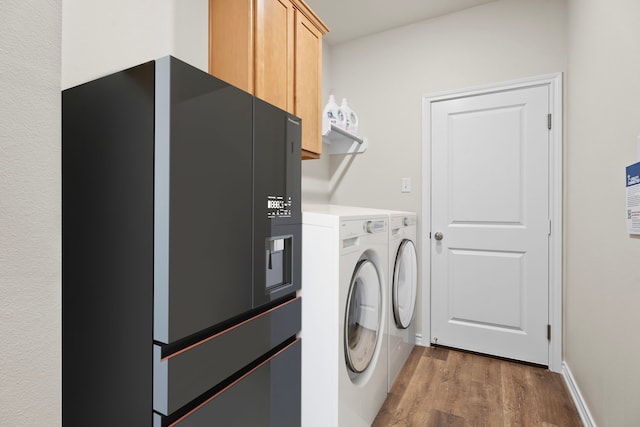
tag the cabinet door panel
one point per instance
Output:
(231, 42)
(274, 52)
(308, 88)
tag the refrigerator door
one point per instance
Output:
(277, 207)
(203, 201)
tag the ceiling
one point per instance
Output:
(350, 19)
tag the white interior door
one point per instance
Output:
(490, 223)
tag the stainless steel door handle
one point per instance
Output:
(438, 236)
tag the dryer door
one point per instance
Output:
(364, 304)
(405, 284)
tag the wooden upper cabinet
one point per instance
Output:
(231, 42)
(308, 85)
(272, 49)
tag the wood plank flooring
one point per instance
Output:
(441, 387)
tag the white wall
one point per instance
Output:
(315, 173)
(30, 260)
(602, 261)
(191, 32)
(384, 77)
(100, 37)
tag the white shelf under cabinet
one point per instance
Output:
(340, 141)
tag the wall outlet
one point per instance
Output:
(406, 185)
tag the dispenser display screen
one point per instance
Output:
(278, 207)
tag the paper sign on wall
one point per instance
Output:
(633, 198)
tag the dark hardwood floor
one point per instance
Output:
(444, 387)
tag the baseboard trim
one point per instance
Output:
(579, 401)
(419, 341)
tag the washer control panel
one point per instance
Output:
(354, 228)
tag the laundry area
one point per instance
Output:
(319, 213)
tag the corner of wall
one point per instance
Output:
(190, 32)
(578, 400)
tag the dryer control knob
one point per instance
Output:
(369, 227)
(375, 226)
(406, 222)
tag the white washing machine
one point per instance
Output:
(345, 256)
(403, 289)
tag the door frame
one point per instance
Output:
(554, 81)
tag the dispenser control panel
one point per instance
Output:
(278, 207)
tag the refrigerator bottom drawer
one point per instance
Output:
(268, 395)
(189, 374)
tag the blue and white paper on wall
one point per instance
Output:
(633, 198)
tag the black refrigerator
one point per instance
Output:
(181, 253)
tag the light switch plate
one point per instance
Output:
(406, 185)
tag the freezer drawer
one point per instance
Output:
(188, 374)
(268, 395)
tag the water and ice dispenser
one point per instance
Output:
(277, 207)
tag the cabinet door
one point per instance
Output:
(274, 52)
(308, 87)
(231, 42)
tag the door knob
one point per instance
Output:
(438, 235)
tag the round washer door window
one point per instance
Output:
(362, 316)
(405, 284)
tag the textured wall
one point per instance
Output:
(30, 260)
(602, 260)
(103, 36)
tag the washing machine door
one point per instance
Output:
(405, 284)
(362, 323)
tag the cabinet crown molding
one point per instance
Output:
(311, 15)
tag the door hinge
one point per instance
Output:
(549, 121)
(550, 227)
(548, 332)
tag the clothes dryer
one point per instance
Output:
(403, 281)
(344, 315)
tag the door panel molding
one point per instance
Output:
(554, 83)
